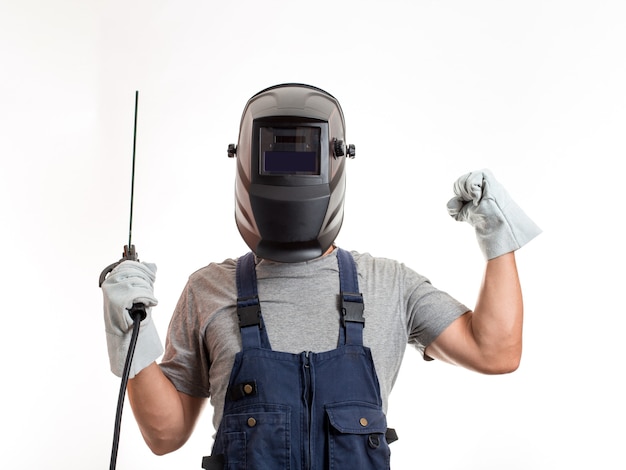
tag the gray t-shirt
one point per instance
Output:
(299, 303)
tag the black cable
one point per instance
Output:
(137, 317)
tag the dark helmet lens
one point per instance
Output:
(289, 150)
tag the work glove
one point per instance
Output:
(501, 225)
(128, 283)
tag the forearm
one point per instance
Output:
(496, 323)
(163, 414)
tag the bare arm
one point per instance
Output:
(489, 339)
(166, 417)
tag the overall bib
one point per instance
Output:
(307, 411)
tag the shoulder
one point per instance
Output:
(215, 268)
(212, 286)
(369, 261)
(388, 269)
(214, 273)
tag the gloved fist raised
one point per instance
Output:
(128, 283)
(501, 225)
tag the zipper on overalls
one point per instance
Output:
(308, 403)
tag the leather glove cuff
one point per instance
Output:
(147, 350)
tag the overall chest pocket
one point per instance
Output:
(356, 437)
(257, 437)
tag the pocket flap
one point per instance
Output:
(356, 418)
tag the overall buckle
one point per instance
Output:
(352, 308)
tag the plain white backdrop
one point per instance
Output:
(533, 90)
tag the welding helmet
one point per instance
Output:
(290, 182)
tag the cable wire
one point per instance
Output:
(120, 400)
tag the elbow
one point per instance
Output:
(163, 447)
(161, 442)
(501, 369)
(159, 448)
(501, 364)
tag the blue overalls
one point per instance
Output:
(313, 411)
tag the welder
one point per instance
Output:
(297, 344)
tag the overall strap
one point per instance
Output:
(351, 306)
(253, 334)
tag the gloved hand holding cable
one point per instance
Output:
(501, 225)
(129, 283)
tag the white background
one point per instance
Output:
(533, 90)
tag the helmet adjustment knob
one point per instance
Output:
(351, 151)
(338, 150)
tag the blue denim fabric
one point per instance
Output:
(314, 411)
